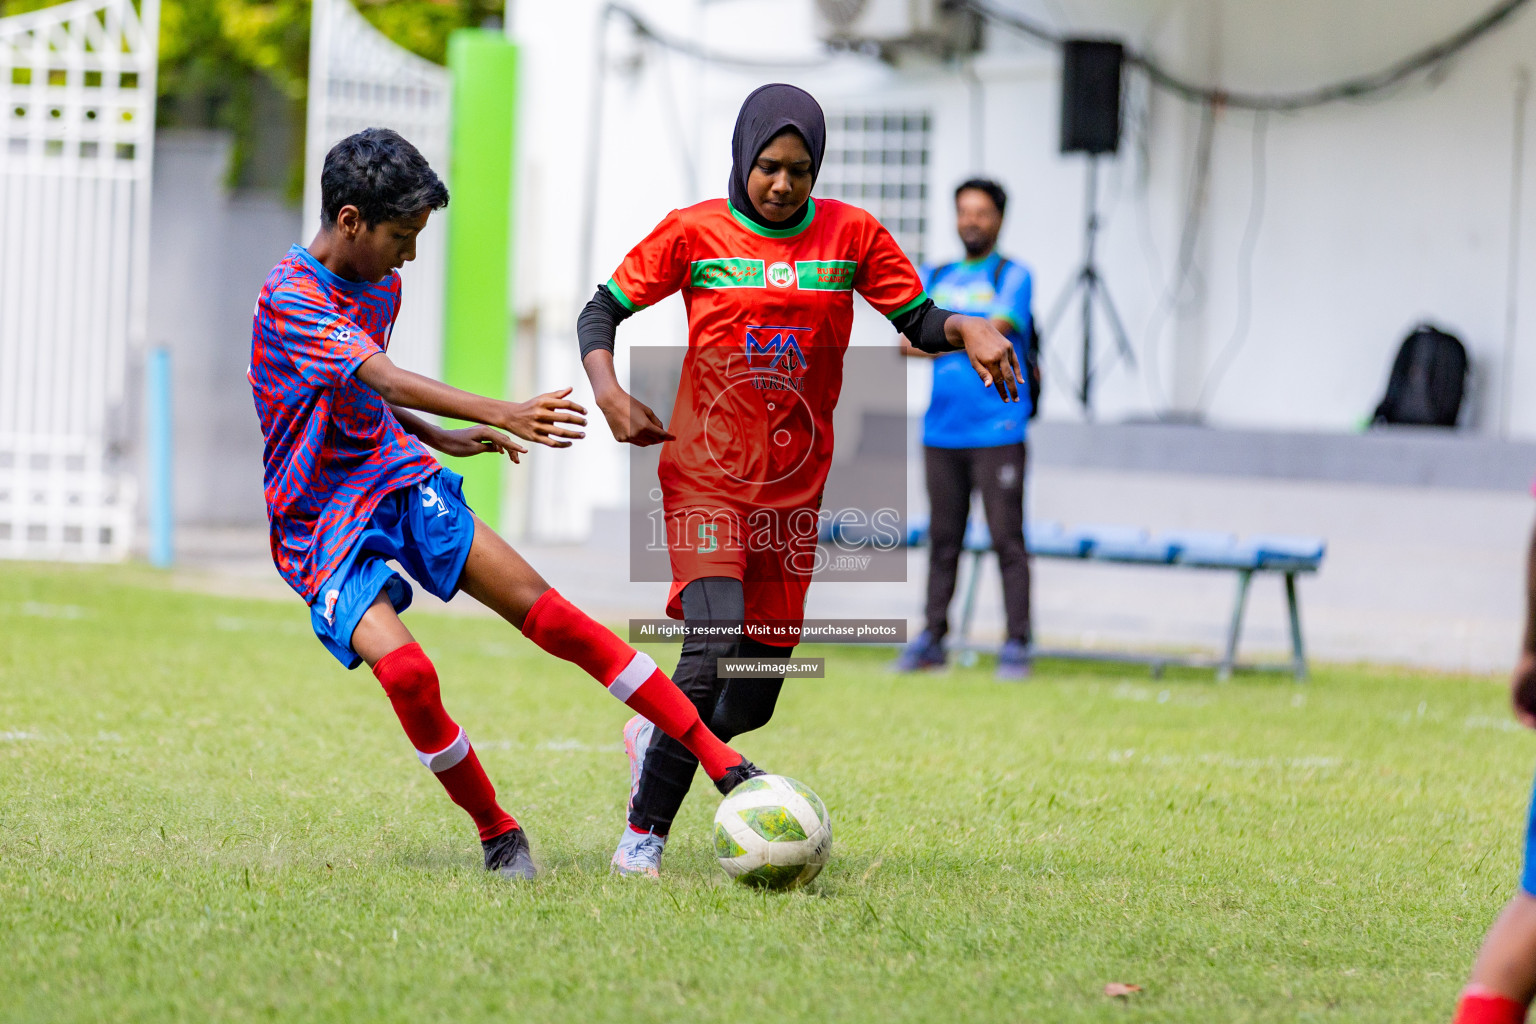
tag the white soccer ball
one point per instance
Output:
(773, 832)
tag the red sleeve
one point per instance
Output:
(655, 268)
(886, 278)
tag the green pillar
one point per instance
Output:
(477, 332)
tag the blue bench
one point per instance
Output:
(1127, 545)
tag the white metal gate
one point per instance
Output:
(77, 117)
(359, 79)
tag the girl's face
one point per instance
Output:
(780, 180)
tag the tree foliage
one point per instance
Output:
(217, 55)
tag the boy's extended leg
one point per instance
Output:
(410, 682)
(499, 578)
(1504, 977)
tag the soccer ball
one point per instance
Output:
(773, 832)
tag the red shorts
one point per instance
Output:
(773, 553)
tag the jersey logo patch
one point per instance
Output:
(726, 273)
(781, 275)
(429, 499)
(825, 275)
(775, 349)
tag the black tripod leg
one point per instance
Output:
(1122, 340)
(1063, 303)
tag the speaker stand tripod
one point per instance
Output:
(1090, 287)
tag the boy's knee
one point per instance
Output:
(407, 674)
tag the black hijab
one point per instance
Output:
(765, 114)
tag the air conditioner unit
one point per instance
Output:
(892, 26)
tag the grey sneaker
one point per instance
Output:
(509, 856)
(1014, 662)
(639, 854)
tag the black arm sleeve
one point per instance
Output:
(599, 321)
(924, 327)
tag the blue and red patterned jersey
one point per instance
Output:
(333, 448)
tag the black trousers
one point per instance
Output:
(953, 474)
(729, 708)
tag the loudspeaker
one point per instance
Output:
(1090, 96)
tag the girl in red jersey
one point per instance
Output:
(768, 276)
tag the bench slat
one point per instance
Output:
(1207, 549)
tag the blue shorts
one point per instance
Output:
(1528, 872)
(427, 528)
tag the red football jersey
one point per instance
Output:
(769, 314)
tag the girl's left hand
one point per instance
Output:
(993, 356)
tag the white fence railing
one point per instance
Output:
(77, 116)
(360, 79)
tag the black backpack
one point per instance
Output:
(1032, 344)
(1428, 381)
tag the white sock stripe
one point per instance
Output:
(636, 672)
(449, 756)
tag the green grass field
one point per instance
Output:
(203, 818)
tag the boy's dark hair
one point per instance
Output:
(993, 190)
(381, 174)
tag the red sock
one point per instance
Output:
(1481, 1006)
(411, 683)
(567, 632)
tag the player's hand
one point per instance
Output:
(476, 440)
(633, 422)
(542, 420)
(1523, 689)
(992, 356)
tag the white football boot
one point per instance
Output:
(639, 853)
(637, 740)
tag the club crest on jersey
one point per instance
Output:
(781, 275)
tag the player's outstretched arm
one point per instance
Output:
(547, 419)
(462, 442)
(631, 420)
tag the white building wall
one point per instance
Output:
(1375, 215)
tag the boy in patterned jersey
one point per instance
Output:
(768, 277)
(350, 484)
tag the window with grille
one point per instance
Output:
(878, 159)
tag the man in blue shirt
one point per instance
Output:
(972, 440)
